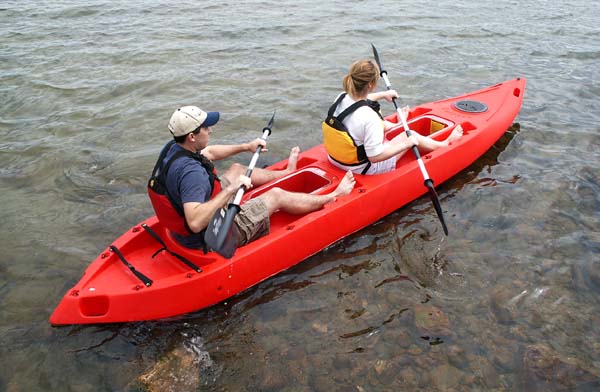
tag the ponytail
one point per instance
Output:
(361, 73)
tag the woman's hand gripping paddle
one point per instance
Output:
(220, 235)
(402, 113)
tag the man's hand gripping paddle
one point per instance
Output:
(221, 235)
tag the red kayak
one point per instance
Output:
(144, 274)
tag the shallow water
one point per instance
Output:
(87, 88)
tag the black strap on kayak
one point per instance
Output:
(147, 281)
(164, 247)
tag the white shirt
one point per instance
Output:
(364, 125)
(366, 128)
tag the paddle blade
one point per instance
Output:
(221, 235)
(436, 203)
(377, 59)
(270, 124)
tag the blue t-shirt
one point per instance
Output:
(187, 181)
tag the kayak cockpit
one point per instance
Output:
(427, 125)
(305, 180)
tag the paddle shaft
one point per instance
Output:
(402, 118)
(220, 235)
(427, 180)
(240, 192)
(234, 207)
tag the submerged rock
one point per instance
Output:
(431, 321)
(381, 366)
(273, 379)
(183, 369)
(502, 304)
(421, 258)
(320, 327)
(457, 357)
(445, 377)
(546, 370)
(408, 377)
(176, 371)
(489, 375)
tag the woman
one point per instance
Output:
(354, 130)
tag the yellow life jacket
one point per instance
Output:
(340, 145)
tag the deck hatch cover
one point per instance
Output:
(470, 106)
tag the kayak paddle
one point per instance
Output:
(402, 115)
(220, 235)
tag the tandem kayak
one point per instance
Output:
(145, 274)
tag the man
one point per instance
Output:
(192, 189)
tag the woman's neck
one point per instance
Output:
(358, 97)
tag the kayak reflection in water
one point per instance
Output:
(354, 129)
(191, 192)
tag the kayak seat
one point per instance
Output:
(306, 180)
(426, 125)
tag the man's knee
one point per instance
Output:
(234, 171)
(237, 169)
(275, 194)
(273, 199)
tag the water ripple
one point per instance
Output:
(87, 88)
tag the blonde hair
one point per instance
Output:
(361, 73)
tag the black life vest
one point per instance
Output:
(168, 212)
(340, 145)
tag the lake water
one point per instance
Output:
(509, 301)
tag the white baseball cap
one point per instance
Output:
(187, 119)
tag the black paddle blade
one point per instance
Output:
(221, 235)
(436, 203)
(270, 124)
(428, 181)
(377, 59)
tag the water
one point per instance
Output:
(87, 88)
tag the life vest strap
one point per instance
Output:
(168, 211)
(363, 171)
(340, 145)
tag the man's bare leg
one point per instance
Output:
(302, 203)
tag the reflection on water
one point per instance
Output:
(509, 301)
